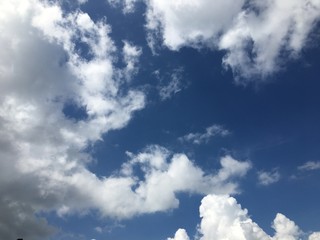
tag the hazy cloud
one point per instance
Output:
(267, 178)
(309, 166)
(210, 132)
(126, 5)
(167, 89)
(131, 56)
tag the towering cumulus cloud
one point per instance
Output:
(222, 218)
(257, 36)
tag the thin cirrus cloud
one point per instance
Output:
(210, 132)
(223, 218)
(176, 83)
(248, 32)
(309, 166)
(128, 6)
(266, 178)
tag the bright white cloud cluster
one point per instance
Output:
(191, 23)
(249, 32)
(181, 234)
(42, 68)
(43, 158)
(222, 218)
(199, 138)
(165, 176)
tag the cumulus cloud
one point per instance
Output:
(181, 234)
(166, 175)
(223, 218)
(43, 68)
(257, 46)
(248, 32)
(190, 23)
(43, 158)
(267, 178)
(314, 236)
(309, 166)
(199, 138)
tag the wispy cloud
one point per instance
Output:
(309, 166)
(266, 178)
(127, 5)
(131, 54)
(168, 88)
(210, 132)
(109, 228)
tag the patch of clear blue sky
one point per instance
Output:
(272, 125)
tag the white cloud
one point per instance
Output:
(42, 150)
(175, 85)
(43, 159)
(165, 176)
(181, 234)
(314, 236)
(191, 23)
(267, 178)
(222, 218)
(309, 166)
(285, 228)
(199, 138)
(131, 56)
(255, 45)
(127, 5)
(108, 228)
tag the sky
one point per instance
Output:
(161, 120)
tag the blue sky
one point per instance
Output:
(163, 120)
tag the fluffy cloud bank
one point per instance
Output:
(52, 60)
(257, 36)
(44, 69)
(224, 219)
